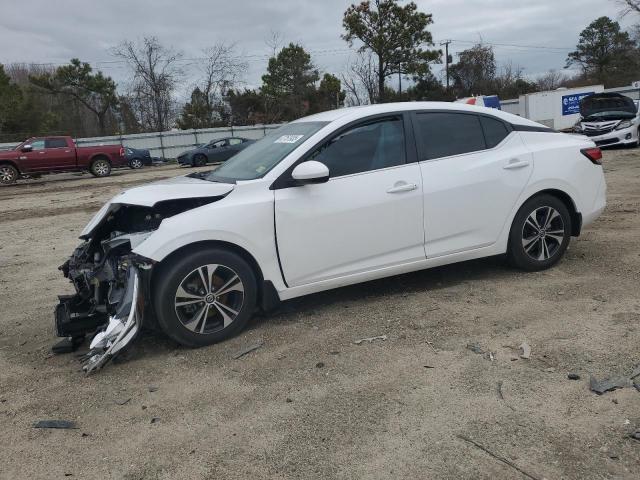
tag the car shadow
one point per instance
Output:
(155, 343)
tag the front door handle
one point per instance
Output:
(516, 163)
(400, 187)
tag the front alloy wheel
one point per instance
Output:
(540, 233)
(8, 174)
(204, 296)
(209, 298)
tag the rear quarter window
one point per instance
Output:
(494, 131)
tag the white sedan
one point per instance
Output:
(333, 199)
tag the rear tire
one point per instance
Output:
(199, 161)
(204, 297)
(8, 174)
(100, 168)
(540, 233)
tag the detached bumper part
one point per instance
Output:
(122, 329)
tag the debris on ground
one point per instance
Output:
(155, 419)
(319, 364)
(607, 384)
(475, 348)
(67, 345)
(370, 339)
(526, 350)
(499, 458)
(63, 424)
(573, 376)
(246, 350)
(635, 435)
(153, 388)
(123, 401)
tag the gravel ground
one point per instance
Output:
(312, 404)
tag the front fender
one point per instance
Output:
(247, 224)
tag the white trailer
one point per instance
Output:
(558, 109)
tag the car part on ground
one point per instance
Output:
(314, 206)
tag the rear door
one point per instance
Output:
(474, 168)
(59, 155)
(217, 151)
(366, 217)
(235, 145)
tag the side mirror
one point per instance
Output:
(26, 148)
(310, 172)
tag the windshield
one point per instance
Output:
(260, 157)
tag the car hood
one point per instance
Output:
(8, 155)
(608, 102)
(153, 193)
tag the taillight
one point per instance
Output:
(122, 151)
(594, 154)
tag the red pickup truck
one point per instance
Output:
(58, 154)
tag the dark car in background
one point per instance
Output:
(217, 150)
(137, 157)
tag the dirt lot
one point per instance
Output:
(312, 404)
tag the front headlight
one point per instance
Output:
(624, 124)
(577, 128)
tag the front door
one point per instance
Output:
(36, 159)
(366, 217)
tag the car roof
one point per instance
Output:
(354, 113)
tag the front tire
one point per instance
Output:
(199, 161)
(8, 174)
(540, 233)
(204, 297)
(100, 168)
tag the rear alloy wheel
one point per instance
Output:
(540, 233)
(199, 161)
(206, 297)
(8, 174)
(100, 168)
(135, 163)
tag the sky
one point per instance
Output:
(534, 35)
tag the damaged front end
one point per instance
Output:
(112, 283)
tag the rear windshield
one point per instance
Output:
(260, 157)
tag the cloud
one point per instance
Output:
(40, 31)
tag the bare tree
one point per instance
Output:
(361, 81)
(156, 75)
(222, 71)
(629, 6)
(551, 80)
(275, 42)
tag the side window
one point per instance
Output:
(218, 144)
(55, 143)
(369, 146)
(37, 145)
(494, 131)
(235, 141)
(445, 134)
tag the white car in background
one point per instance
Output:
(609, 119)
(334, 199)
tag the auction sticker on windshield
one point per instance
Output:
(288, 139)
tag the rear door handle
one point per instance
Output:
(515, 163)
(400, 187)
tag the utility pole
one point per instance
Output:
(446, 59)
